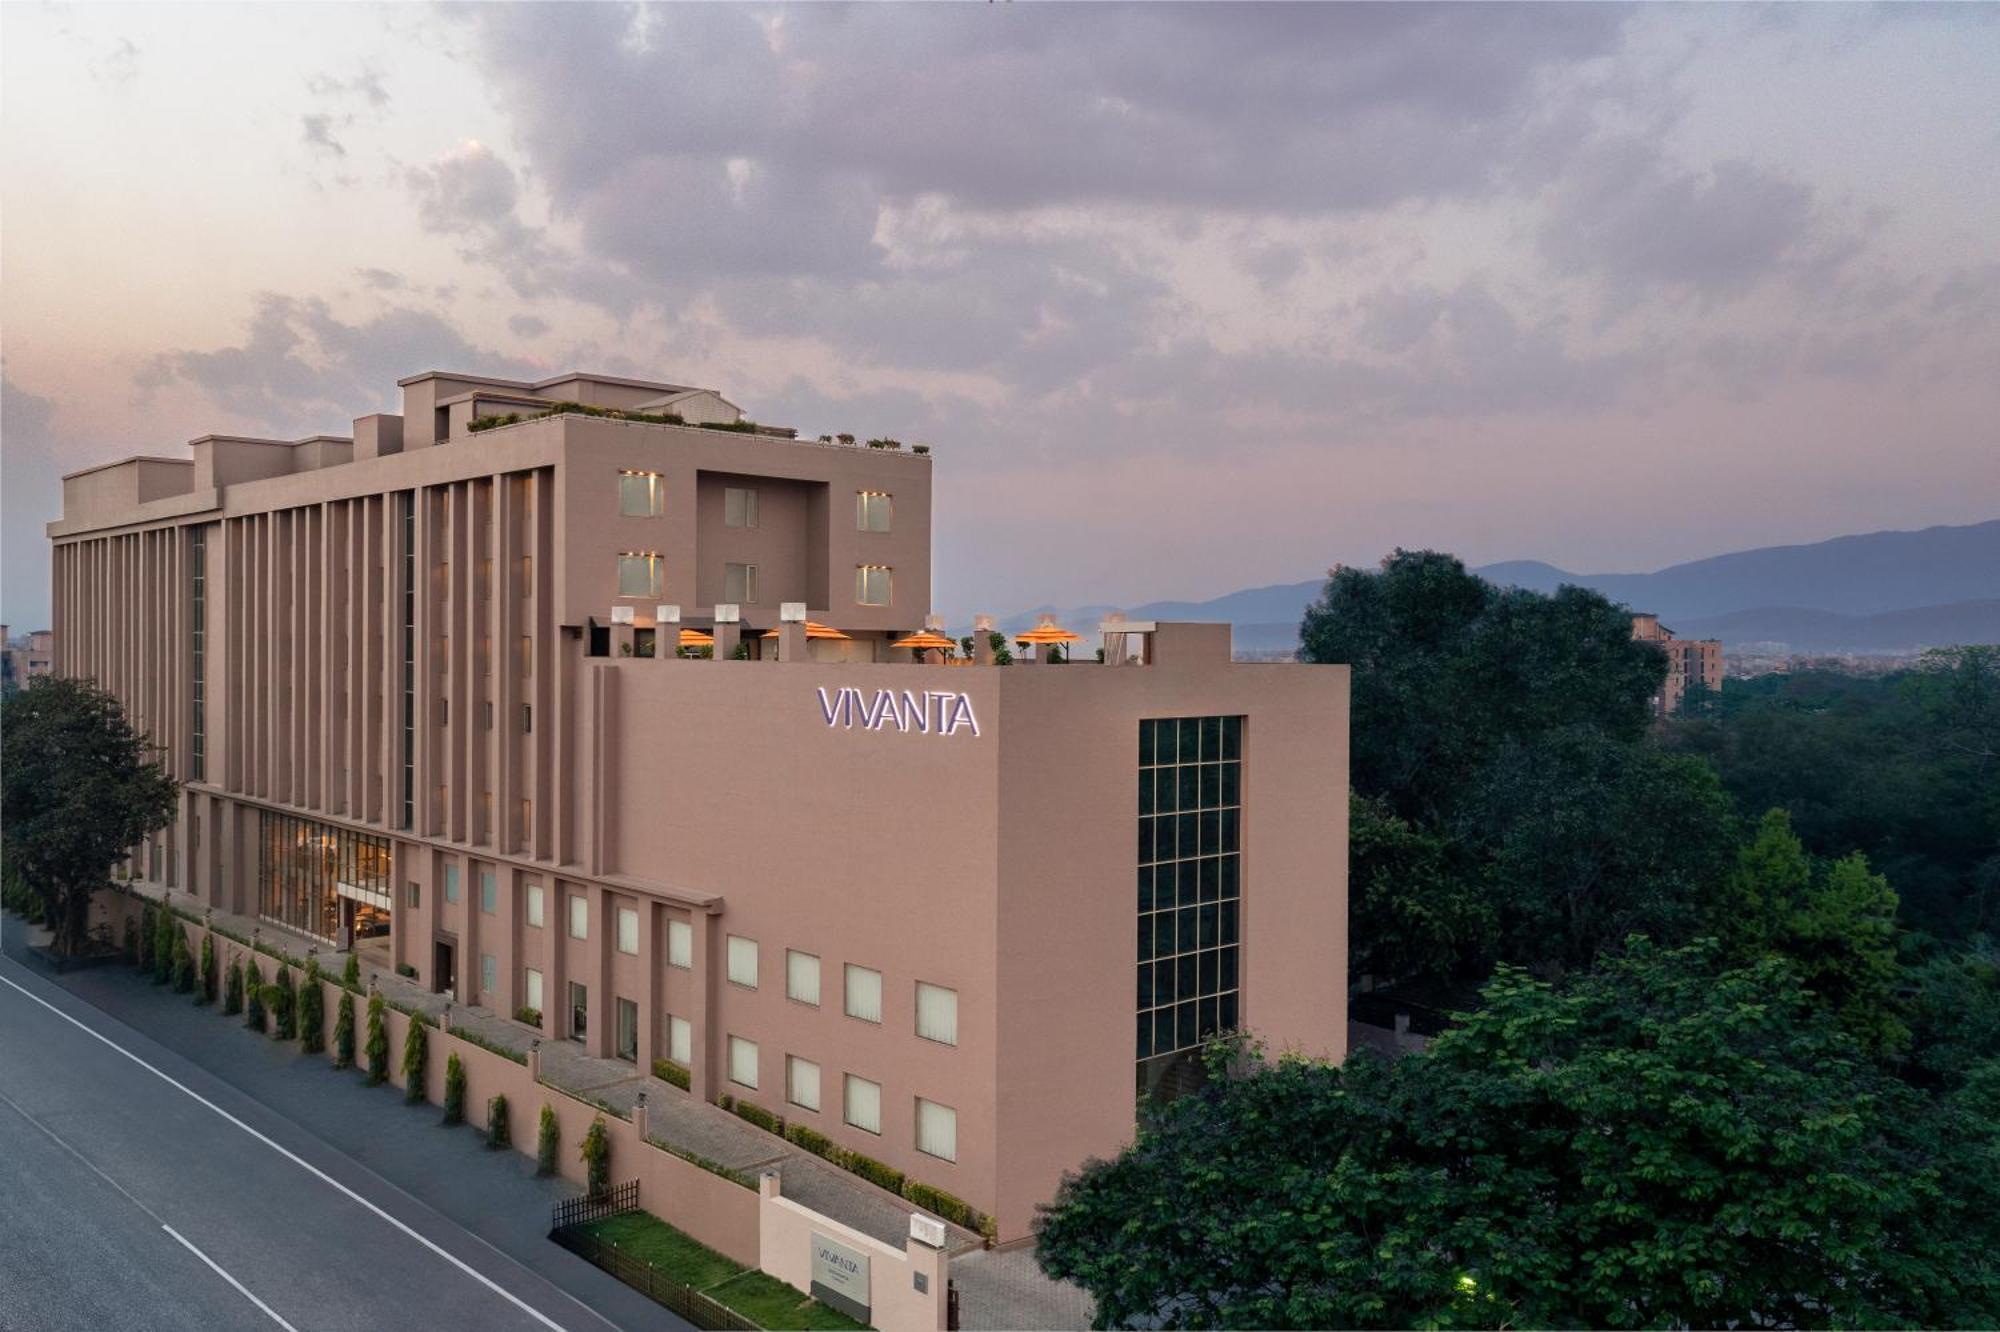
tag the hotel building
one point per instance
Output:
(1691, 663)
(424, 689)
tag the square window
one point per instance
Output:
(937, 1130)
(937, 1013)
(739, 583)
(873, 585)
(861, 1104)
(641, 494)
(743, 1062)
(739, 507)
(742, 961)
(579, 916)
(864, 993)
(802, 1082)
(640, 575)
(628, 930)
(872, 511)
(680, 944)
(802, 978)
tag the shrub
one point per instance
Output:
(232, 989)
(595, 1153)
(183, 964)
(874, 1171)
(405, 969)
(810, 1138)
(454, 1089)
(376, 1047)
(131, 941)
(953, 1209)
(253, 992)
(343, 1031)
(498, 1135)
(920, 448)
(282, 999)
(726, 1101)
(758, 1115)
(845, 439)
(548, 1138)
(205, 987)
(142, 953)
(350, 975)
(666, 1070)
(416, 1049)
(531, 1016)
(472, 1037)
(163, 946)
(312, 1011)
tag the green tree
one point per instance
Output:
(282, 998)
(312, 1010)
(149, 930)
(78, 788)
(343, 1031)
(416, 1049)
(350, 975)
(498, 1135)
(548, 1142)
(206, 990)
(376, 1048)
(163, 946)
(1413, 909)
(253, 995)
(595, 1153)
(232, 990)
(184, 963)
(454, 1089)
(1768, 882)
(1663, 1141)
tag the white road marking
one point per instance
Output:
(216, 1267)
(296, 1160)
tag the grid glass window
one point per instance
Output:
(739, 507)
(532, 991)
(861, 1104)
(864, 993)
(537, 905)
(489, 892)
(680, 1040)
(802, 977)
(937, 1130)
(1190, 889)
(628, 930)
(680, 944)
(873, 585)
(303, 866)
(802, 1082)
(579, 916)
(642, 494)
(743, 961)
(739, 584)
(743, 1062)
(640, 574)
(937, 1013)
(872, 511)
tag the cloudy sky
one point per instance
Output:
(1186, 299)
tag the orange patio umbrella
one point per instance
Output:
(1048, 631)
(814, 629)
(925, 641)
(697, 638)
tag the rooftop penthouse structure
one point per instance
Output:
(593, 704)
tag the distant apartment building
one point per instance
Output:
(424, 685)
(22, 662)
(1691, 662)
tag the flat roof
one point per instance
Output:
(537, 385)
(130, 458)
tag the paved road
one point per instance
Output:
(139, 1189)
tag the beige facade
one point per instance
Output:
(421, 687)
(34, 655)
(1691, 663)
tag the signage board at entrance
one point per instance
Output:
(840, 1276)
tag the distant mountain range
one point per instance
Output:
(1881, 592)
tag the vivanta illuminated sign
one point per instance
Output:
(925, 712)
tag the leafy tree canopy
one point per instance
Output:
(1661, 1142)
(78, 789)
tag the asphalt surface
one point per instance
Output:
(162, 1167)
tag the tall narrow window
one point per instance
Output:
(408, 501)
(743, 961)
(864, 993)
(198, 654)
(642, 494)
(533, 991)
(743, 1062)
(872, 511)
(680, 1040)
(739, 507)
(451, 883)
(579, 916)
(739, 583)
(802, 977)
(537, 905)
(802, 1082)
(628, 930)
(937, 1130)
(489, 892)
(627, 1031)
(873, 585)
(640, 574)
(680, 944)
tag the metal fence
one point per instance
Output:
(656, 1285)
(596, 1206)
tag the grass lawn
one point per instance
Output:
(764, 1300)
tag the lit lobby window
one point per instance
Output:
(873, 585)
(642, 494)
(872, 511)
(640, 574)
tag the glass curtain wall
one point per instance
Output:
(1190, 895)
(302, 863)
